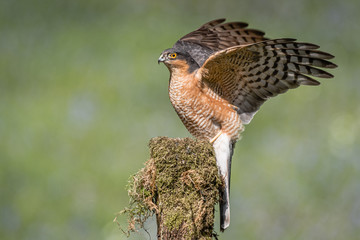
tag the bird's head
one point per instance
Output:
(176, 59)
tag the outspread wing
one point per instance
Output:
(248, 75)
(217, 35)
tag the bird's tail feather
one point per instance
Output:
(223, 151)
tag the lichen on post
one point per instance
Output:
(180, 184)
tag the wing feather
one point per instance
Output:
(248, 75)
(217, 35)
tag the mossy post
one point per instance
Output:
(187, 187)
(180, 184)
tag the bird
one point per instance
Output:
(220, 75)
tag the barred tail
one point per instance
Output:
(223, 151)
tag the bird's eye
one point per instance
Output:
(172, 55)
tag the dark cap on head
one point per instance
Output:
(196, 52)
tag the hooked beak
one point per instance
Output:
(162, 58)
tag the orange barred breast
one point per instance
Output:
(200, 109)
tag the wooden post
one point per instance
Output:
(180, 183)
(188, 184)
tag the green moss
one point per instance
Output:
(180, 183)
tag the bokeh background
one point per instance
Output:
(81, 94)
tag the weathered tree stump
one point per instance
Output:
(180, 184)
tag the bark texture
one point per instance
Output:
(180, 184)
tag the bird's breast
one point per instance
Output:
(202, 112)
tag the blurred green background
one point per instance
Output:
(81, 94)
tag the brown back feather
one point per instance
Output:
(217, 35)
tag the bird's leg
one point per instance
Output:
(216, 137)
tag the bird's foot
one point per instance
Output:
(216, 137)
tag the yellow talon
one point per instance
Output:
(214, 138)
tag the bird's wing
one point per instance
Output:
(248, 75)
(217, 35)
